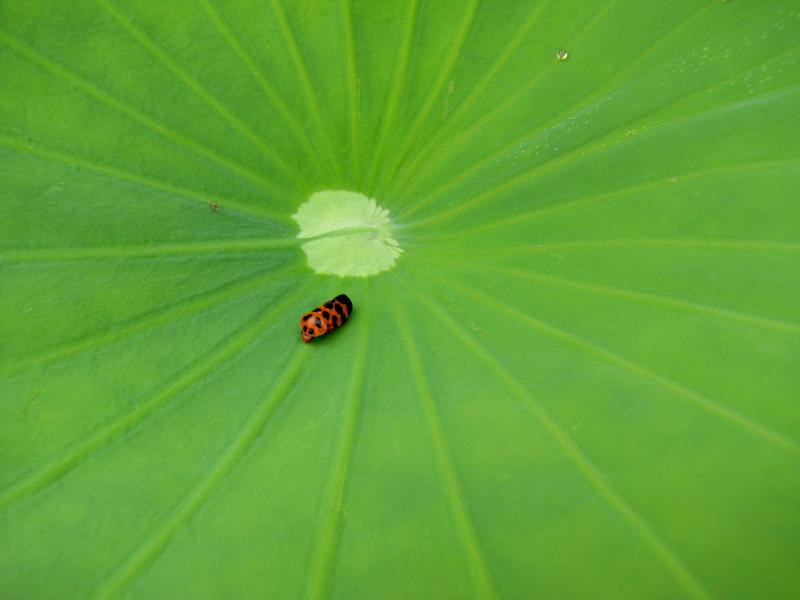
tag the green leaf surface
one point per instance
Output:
(579, 380)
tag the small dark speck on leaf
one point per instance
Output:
(27, 409)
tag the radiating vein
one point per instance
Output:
(531, 84)
(185, 249)
(389, 115)
(585, 101)
(185, 307)
(152, 547)
(179, 139)
(308, 88)
(625, 133)
(474, 94)
(734, 245)
(222, 352)
(73, 160)
(589, 199)
(352, 85)
(583, 150)
(289, 117)
(719, 244)
(438, 85)
(193, 84)
(644, 297)
(329, 530)
(708, 405)
(480, 573)
(647, 533)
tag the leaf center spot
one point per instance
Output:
(348, 234)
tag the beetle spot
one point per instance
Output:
(346, 301)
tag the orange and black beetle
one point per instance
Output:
(326, 317)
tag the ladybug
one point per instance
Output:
(326, 317)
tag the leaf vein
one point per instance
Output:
(329, 531)
(585, 101)
(308, 88)
(589, 199)
(230, 345)
(180, 140)
(584, 465)
(387, 120)
(352, 83)
(218, 107)
(649, 297)
(583, 150)
(149, 551)
(268, 88)
(479, 569)
(186, 307)
(438, 85)
(708, 405)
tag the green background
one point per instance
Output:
(580, 380)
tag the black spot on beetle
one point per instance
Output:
(326, 314)
(346, 301)
(317, 322)
(338, 308)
